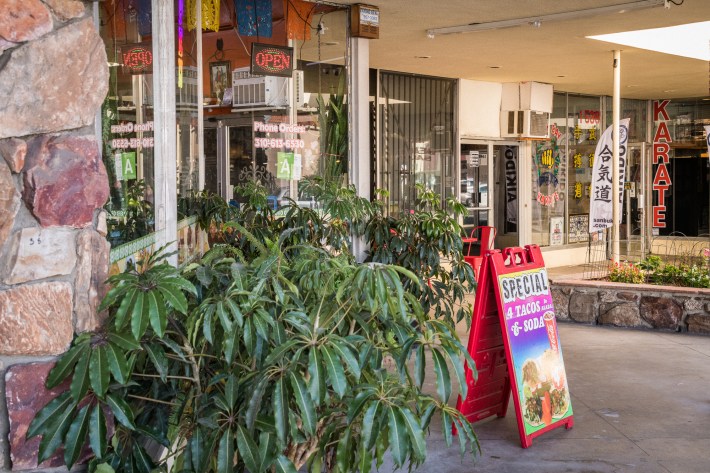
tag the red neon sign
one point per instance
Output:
(138, 59)
(270, 60)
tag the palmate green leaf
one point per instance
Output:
(126, 305)
(416, 434)
(443, 379)
(231, 345)
(197, 448)
(49, 413)
(398, 437)
(156, 312)
(139, 316)
(279, 400)
(267, 447)
(446, 426)
(284, 465)
(458, 368)
(342, 348)
(255, 402)
(76, 437)
(419, 366)
(117, 362)
(344, 451)
(335, 371)
(316, 370)
(279, 352)
(248, 450)
(121, 411)
(141, 460)
(97, 431)
(124, 340)
(358, 403)
(225, 453)
(304, 402)
(231, 391)
(174, 297)
(99, 371)
(368, 425)
(53, 434)
(65, 365)
(80, 381)
(156, 353)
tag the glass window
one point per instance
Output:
(127, 119)
(416, 137)
(636, 111)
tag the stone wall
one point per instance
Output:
(53, 251)
(646, 306)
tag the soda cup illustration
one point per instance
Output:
(551, 328)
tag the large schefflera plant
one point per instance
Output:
(297, 357)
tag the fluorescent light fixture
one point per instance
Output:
(539, 20)
(690, 40)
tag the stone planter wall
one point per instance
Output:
(53, 250)
(647, 306)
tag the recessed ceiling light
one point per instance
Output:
(631, 85)
(493, 67)
(422, 57)
(331, 43)
(669, 90)
(561, 76)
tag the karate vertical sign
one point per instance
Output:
(600, 205)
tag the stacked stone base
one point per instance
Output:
(666, 308)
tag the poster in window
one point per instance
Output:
(578, 228)
(557, 230)
(220, 78)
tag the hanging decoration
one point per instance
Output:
(298, 19)
(254, 17)
(190, 14)
(210, 15)
(144, 17)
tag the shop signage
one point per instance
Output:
(600, 205)
(474, 159)
(511, 183)
(271, 60)
(547, 159)
(134, 142)
(138, 58)
(578, 228)
(557, 226)
(125, 165)
(278, 142)
(590, 116)
(707, 137)
(515, 344)
(288, 166)
(661, 157)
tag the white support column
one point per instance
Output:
(200, 106)
(615, 207)
(165, 205)
(359, 108)
(525, 200)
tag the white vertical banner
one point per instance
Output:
(600, 206)
(707, 137)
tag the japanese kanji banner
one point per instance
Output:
(707, 137)
(600, 208)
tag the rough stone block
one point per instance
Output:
(25, 396)
(607, 296)
(65, 180)
(38, 253)
(14, 151)
(66, 9)
(628, 296)
(92, 271)
(561, 302)
(36, 319)
(661, 312)
(699, 323)
(9, 202)
(49, 96)
(693, 305)
(101, 225)
(24, 20)
(582, 307)
(625, 314)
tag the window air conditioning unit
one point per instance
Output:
(263, 91)
(524, 124)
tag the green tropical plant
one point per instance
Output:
(285, 356)
(333, 125)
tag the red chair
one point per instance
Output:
(486, 237)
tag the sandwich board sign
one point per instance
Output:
(515, 344)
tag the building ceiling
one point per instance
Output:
(556, 52)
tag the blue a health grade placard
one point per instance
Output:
(539, 383)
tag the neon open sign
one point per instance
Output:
(270, 60)
(138, 59)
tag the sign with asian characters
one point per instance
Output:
(271, 60)
(600, 206)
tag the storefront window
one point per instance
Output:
(680, 170)
(277, 129)
(127, 119)
(416, 131)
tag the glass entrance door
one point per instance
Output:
(474, 185)
(632, 229)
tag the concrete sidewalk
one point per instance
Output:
(641, 403)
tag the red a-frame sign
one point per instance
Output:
(515, 345)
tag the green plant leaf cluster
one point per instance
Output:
(275, 352)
